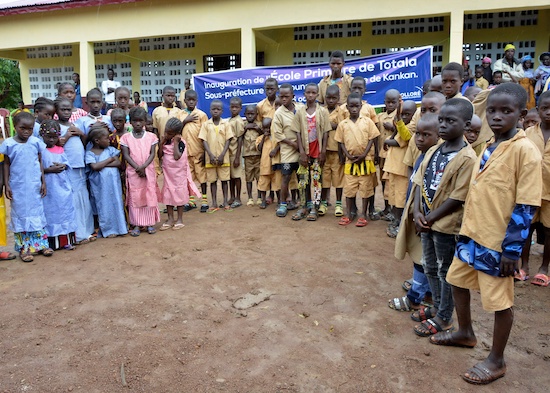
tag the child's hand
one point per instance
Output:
(376, 160)
(304, 160)
(421, 223)
(342, 158)
(42, 190)
(220, 160)
(56, 167)
(399, 109)
(334, 125)
(177, 139)
(213, 159)
(508, 266)
(140, 171)
(322, 159)
(8, 191)
(389, 126)
(273, 153)
(190, 118)
(73, 131)
(236, 162)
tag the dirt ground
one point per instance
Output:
(174, 312)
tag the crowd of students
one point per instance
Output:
(462, 181)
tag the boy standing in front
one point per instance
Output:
(505, 189)
(443, 180)
(266, 107)
(235, 151)
(251, 154)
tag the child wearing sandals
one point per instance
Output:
(178, 182)
(25, 187)
(58, 202)
(505, 189)
(408, 241)
(442, 184)
(142, 191)
(105, 186)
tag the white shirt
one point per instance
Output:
(109, 97)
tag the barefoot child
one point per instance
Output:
(58, 202)
(505, 189)
(252, 130)
(235, 151)
(178, 183)
(105, 185)
(216, 135)
(25, 188)
(443, 181)
(138, 149)
(357, 137)
(269, 149)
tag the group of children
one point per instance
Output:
(461, 182)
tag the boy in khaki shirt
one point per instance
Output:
(505, 188)
(235, 151)
(269, 179)
(266, 107)
(252, 157)
(443, 180)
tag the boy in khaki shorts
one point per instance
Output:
(270, 180)
(357, 136)
(252, 130)
(505, 189)
(235, 151)
(216, 135)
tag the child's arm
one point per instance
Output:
(419, 220)
(177, 152)
(161, 150)
(42, 178)
(7, 177)
(109, 162)
(238, 153)
(303, 155)
(362, 157)
(261, 144)
(346, 153)
(224, 152)
(56, 167)
(516, 235)
(446, 208)
(274, 152)
(130, 161)
(213, 159)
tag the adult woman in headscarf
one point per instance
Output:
(512, 69)
(528, 81)
(487, 70)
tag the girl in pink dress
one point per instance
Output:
(178, 184)
(138, 148)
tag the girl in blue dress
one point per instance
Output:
(105, 185)
(58, 202)
(25, 187)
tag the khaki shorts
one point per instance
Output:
(362, 184)
(236, 173)
(544, 213)
(333, 171)
(270, 182)
(497, 293)
(198, 171)
(398, 190)
(252, 168)
(216, 173)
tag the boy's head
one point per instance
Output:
(532, 118)
(454, 118)
(168, 95)
(391, 100)
(354, 105)
(336, 62)
(187, 83)
(471, 93)
(122, 97)
(332, 96)
(44, 109)
(497, 78)
(436, 85)
(431, 103)
(149, 123)
(427, 132)
(505, 105)
(266, 126)
(478, 71)
(472, 133)
(191, 99)
(250, 112)
(94, 99)
(407, 111)
(271, 86)
(173, 126)
(118, 118)
(216, 109)
(286, 94)
(451, 79)
(426, 87)
(358, 85)
(235, 106)
(543, 108)
(311, 92)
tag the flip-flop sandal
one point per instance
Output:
(151, 230)
(446, 339)
(521, 276)
(85, 241)
(236, 204)
(361, 222)
(228, 208)
(177, 227)
(423, 314)
(541, 280)
(312, 216)
(6, 256)
(484, 375)
(204, 208)
(300, 214)
(344, 221)
(281, 211)
(47, 252)
(69, 247)
(407, 285)
(402, 304)
(165, 226)
(213, 210)
(430, 327)
(26, 256)
(135, 232)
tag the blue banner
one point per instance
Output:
(405, 71)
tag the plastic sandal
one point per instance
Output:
(204, 209)
(135, 232)
(165, 226)
(361, 222)
(312, 216)
(151, 230)
(6, 256)
(338, 211)
(47, 252)
(250, 202)
(177, 227)
(281, 210)
(344, 221)
(322, 209)
(26, 256)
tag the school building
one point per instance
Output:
(154, 43)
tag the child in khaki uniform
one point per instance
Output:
(251, 154)
(216, 135)
(161, 114)
(193, 119)
(505, 189)
(336, 77)
(268, 177)
(266, 107)
(357, 137)
(333, 170)
(235, 151)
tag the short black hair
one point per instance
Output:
(271, 80)
(94, 91)
(59, 100)
(216, 101)
(516, 91)
(41, 103)
(137, 112)
(286, 86)
(464, 106)
(354, 96)
(23, 116)
(361, 79)
(96, 130)
(544, 95)
(62, 85)
(454, 67)
(121, 88)
(238, 100)
(333, 89)
(190, 92)
(497, 73)
(251, 106)
(118, 112)
(431, 120)
(167, 88)
(337, 54)
(311, 84)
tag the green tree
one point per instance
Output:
(10, 84)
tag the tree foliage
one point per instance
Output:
(10, 84)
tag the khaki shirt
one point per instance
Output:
(482, 83)
(454, 184)
(249, 142)
(161, 115)
(367, 110)
(336, 116)
(191, 132)
(384, 117)
(265, 161)
(535, 135)
(216, 137)
(281, 129)
(237, 126)
(265, 109)
(511, 176)
(322, 124)
(344, 85)
(394, 159)
(356, 136)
